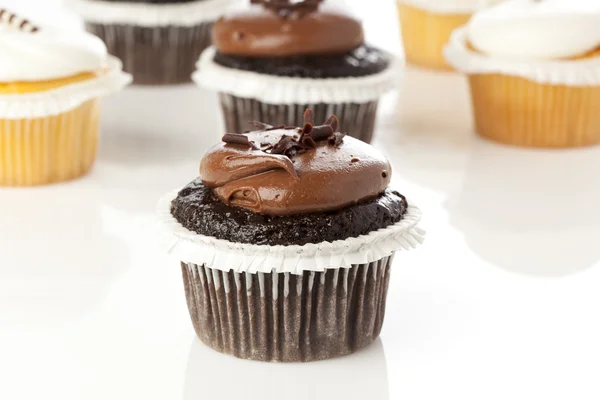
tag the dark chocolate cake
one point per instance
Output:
(362, 61)
(199, 210)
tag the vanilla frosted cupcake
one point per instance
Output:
(426, 27)
(286, 242)
(159, 41)
(534, 71)
(272, 60)
(51, 82)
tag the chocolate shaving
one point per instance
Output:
(13, 20)
(307, 129)
(238, 139)
(305, 138)
(261, 125)
(333, 122)
(309, 117)
(308, 141)
(322, 132)
(336, 139)
(284, 145)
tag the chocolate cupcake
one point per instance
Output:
(159, 41)
(272, 60)
(286, 242)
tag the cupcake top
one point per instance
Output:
(536, 29)
(301, 39)
(47, 53)
(284, 171)
(281, 28)
(290, 186)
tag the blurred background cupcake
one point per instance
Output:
(272, 60)
(51, 84)
(533, 84)
(159, 41)
(426, 26)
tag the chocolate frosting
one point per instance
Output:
(284, 171)
(261, 32)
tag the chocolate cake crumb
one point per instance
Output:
(199, 210)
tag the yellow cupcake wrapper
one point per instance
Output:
(51, 135)
(520, 112)
(426, 33)
(49, 149)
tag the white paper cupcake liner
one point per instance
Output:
(585, 72)
(150, 15)
(190, 247)
(447, 6)
(64, 98)
(273, 89)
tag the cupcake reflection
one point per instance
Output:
(362, 375)
(530, 212)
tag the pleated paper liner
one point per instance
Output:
(52, 136)
(155, 55)
(425, 33)
(159, 44)
(49, 149)
(520, 112)
(287, 303)
(357, 120)
(550, 104)
(247, 96)
(287, 317)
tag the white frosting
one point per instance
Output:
(583, 72)
(48, 54)
(274, 89)
(188, 246)
(151, 15)
(536, 29)
(445, 6)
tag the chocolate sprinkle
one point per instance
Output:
(238, 139)
(293, 145)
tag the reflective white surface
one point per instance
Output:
(500, 303)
